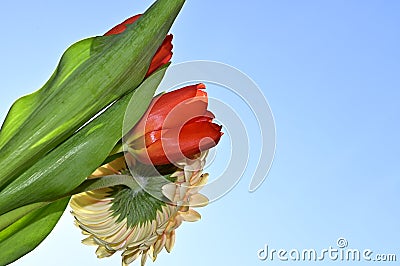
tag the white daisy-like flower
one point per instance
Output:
(130, 220)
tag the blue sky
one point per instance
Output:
(330, 72)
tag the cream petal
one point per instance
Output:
(159, 244)
(184, 208)
(166, 212)
(160, 230)
(115, 246)
(178, 221)
(90, 207)
(198, 200)
(117, 165)
(144, 258)
(177, 174)
(182, 191)
(98, 219)
(203, 180)
(103, 194)
(150, 240)
(190, 216)
(82, 211)
(128, 259)
(143, 247)
(169, 191)
(151, 253)
(105, 231)
(170, 241)
(195, 188)
(203, 156)
(171, 225)
(100, 242)
(120, 236)
(130, 251)
(141, 234)
(89, 241)
(195, 178)
(101, 171)
(146, 229)
(98, 207)
(103, 252)
(136, 237)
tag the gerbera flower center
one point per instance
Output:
(137, 206)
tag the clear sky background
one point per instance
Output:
(331, 73)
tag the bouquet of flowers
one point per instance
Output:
(131, 175)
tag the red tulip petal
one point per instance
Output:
(170, 99)
(122, 26)
(207, 117)
(152, 137)
(172, 145)
(176, 108)
(162, 56)
(199, 136)
(164, 52)
(172, 109)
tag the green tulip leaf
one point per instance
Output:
(25, 234)
(11, 217)
(68, 165)
(92, 74)
(24, 107)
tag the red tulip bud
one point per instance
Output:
(164, 52)
(176, 125)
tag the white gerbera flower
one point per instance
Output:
(130, 220)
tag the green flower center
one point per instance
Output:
(137, 206)
(141, 204)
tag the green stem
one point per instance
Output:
(88, 185)
(104, 182)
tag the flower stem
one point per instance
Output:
(104, 182)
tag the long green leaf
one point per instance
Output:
(11, 217)
(23, 108)
(116, 65)
(28, 232)
(64, 168)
